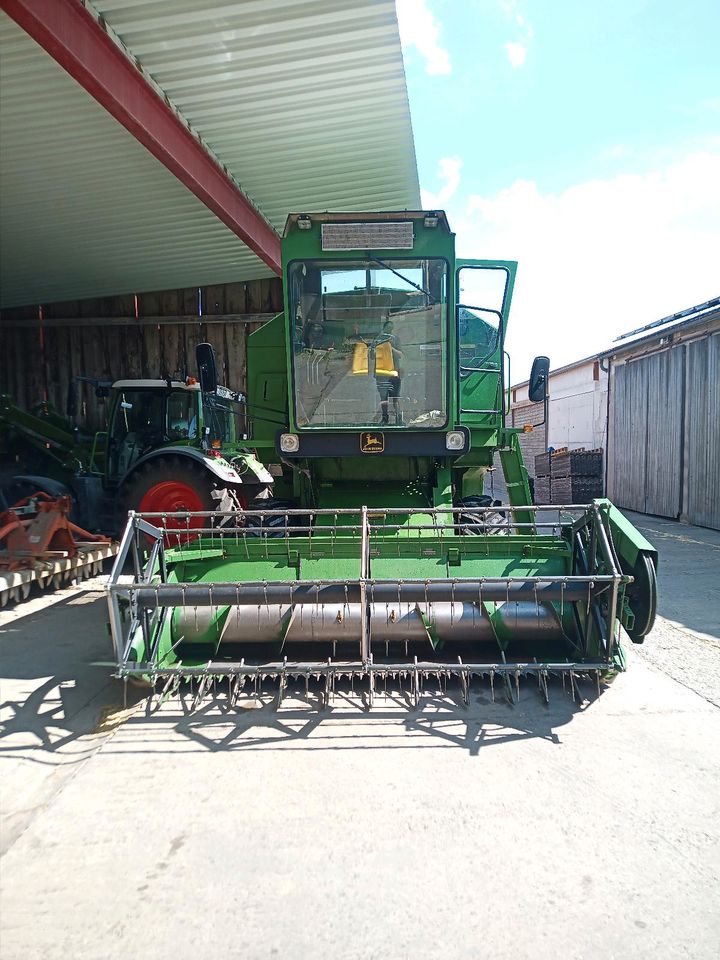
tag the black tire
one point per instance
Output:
(256, 526)
(17, 488)
(167, 470)
(642, 596)
(475, 524)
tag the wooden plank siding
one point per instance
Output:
(149, 336)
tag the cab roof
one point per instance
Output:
(383, 217)
(139, 384)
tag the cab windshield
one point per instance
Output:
(225, 418)
(148, 417)
(369, 342)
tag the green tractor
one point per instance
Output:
(380, 554)
(169, 446)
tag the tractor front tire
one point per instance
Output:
(170, 485)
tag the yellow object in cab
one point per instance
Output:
(384, 366)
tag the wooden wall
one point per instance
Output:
(149, 335)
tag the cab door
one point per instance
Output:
(483, 291)
(138, 424)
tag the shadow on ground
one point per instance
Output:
(58, 690)
(55, 676)
(393, 722)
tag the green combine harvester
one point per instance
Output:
(377, 402)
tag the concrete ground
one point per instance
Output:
(685, 643)
(577, 831)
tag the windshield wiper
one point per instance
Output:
(412, 283)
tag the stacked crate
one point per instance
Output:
(568, 476)
(542, 478)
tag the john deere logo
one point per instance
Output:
(372, 442)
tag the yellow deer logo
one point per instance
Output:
(372, 443)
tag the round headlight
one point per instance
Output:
(455, 440)
(289, 442)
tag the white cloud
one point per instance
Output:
(517, 50)
(601, 257)
(420, 29)
(448, 170)
(516, 54)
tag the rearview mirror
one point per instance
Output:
(537, 387)
(207, 370)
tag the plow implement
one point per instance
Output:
(40, 545)
(368, 599)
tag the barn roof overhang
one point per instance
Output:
(152, 146)
(678, 326)
(687, 324)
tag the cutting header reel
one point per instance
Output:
(369, 596)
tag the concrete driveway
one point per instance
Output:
(579, 831)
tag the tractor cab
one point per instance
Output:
(148, 414)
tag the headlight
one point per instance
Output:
(289, 442)
(455, 440)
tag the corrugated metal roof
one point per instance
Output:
(667, 331)
(303, 101)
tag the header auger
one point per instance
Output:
(377, 402)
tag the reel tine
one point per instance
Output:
(328, 683)
(170, 687)
(239, 685)
(202, 687)
(465, 693)
(506, 682)
(149, 702)
(543, 683)
(574, 678)
(282, 685)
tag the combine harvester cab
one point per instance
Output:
(377, 402)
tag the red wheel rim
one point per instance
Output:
(173, 496)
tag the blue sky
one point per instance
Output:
(581, 139)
